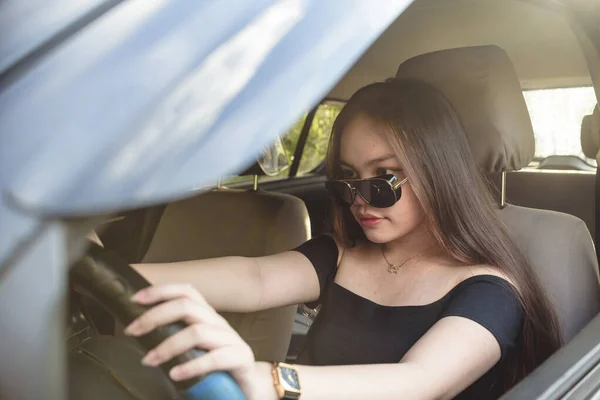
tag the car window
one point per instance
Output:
(315, 149)
(317, 141)
(556, 116)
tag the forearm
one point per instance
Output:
(378, 381)
(229, 284)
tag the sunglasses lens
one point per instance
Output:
(340, 191)
(377, 192)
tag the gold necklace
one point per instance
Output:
(393, 269)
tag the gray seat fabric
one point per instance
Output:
(229, 222)
(590, 143)
(561, 250)
(484, 89)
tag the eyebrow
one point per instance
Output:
(372, 162)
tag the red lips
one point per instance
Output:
(369, 220)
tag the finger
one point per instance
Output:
(181, 309)
(222, 359)
(205, 337)
(154, 294)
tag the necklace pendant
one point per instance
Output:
(393, 269)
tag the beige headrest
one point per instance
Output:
(590, 133)
(484, 89)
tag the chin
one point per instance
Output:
(378, 236)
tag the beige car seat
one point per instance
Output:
(590, 144)
(233, 222)
(484, 88)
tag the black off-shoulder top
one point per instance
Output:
(350, 329)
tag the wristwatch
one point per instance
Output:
(287, 383)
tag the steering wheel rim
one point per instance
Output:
(110, 281)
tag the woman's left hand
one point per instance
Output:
(206, 330)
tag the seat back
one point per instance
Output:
(590, 144)
(484, 89)
(561, 251)
(231, 222)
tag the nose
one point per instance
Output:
(358, 200)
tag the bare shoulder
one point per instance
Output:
(476, 270)
(361, 252)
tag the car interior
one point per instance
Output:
(489, 58)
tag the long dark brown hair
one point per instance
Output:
(430, 142)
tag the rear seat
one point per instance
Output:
(566, 163)
(568, 191)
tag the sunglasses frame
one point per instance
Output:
(390, 179)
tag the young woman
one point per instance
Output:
(423, 293)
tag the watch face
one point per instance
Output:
(290, 376)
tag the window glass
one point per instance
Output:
(315, 148)
(290, 138)
(317, 141)
(289, 144)
(318, 138)
(556, 116)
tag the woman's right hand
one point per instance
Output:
(206, 330)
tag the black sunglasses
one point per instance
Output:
(380, 192)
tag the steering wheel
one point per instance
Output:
(111, 282)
